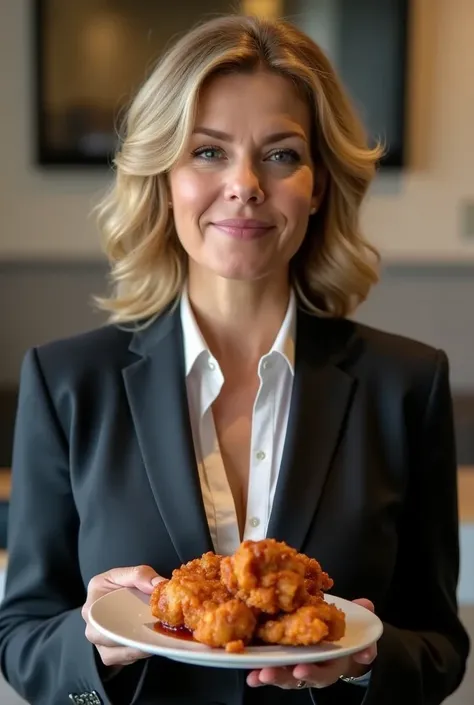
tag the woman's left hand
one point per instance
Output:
(317, 675)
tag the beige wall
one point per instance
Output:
(413, 215)
(44, 214)
(418, 217)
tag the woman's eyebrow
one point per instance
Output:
(225, 137)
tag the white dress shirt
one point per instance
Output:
(271, 409)
(204, 382)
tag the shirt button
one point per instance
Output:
(254, 522)
(260, 455)
(211, 365)
(266, 364)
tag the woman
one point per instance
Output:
(231, 398)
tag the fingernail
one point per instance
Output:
(157, 580)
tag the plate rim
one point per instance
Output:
(209, 656)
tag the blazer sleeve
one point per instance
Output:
(423, 651)
(44, 654)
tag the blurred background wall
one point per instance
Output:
(421, 218)
(50, 261)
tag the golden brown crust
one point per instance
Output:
(227, 623)
(266, 590)
(300, 628)
(267, 575)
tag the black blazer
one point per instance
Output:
(104, 475)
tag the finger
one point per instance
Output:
(318, 668)
(363, 602)
(142, 577)
(253, 679)
(120, 655)
(366, 656)
(97, 638)
(319, 675)
(281, 677)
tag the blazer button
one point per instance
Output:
(91, 698)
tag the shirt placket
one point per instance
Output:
(224, 528)
(261, 460)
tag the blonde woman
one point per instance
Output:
(231, 398)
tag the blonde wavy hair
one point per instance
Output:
(335, 267)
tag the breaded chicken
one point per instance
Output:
(207, 567)
(332, 616)
(230, 624)
(178, 602)
(300, 628)
(266, 589)
(267, 575)
(316, 581)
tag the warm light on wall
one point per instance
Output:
(271, 9)
(102, 39)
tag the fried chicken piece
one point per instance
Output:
(316, 581)
(180, 598)
(332, 616)
(267, 575)
(207, 567)
(159, 604)
(230, 624)
(308, 625)
(266, 587)
(300, 628)
(179, 602)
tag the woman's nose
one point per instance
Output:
(244, 185)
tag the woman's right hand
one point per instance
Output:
(142, 577)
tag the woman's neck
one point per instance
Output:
(238, 319)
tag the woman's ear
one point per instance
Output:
(319, 189)
(168, 190)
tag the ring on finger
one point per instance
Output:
(300, 685)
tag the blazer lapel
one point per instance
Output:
(156, 391)
(321, 398)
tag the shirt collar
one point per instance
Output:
(195, 346)
(285, 341)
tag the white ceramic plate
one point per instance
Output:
(125, 617)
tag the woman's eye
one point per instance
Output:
(285, 156)
(208, 153)
(279, 156)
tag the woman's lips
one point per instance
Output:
(243, 229)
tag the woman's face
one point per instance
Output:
(244, 189)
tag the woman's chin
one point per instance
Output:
(227, 265)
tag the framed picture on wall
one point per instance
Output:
(91, 56)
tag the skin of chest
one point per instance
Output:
(232, 412)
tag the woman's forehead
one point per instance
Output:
(240, 99)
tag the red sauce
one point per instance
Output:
(175, 632)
